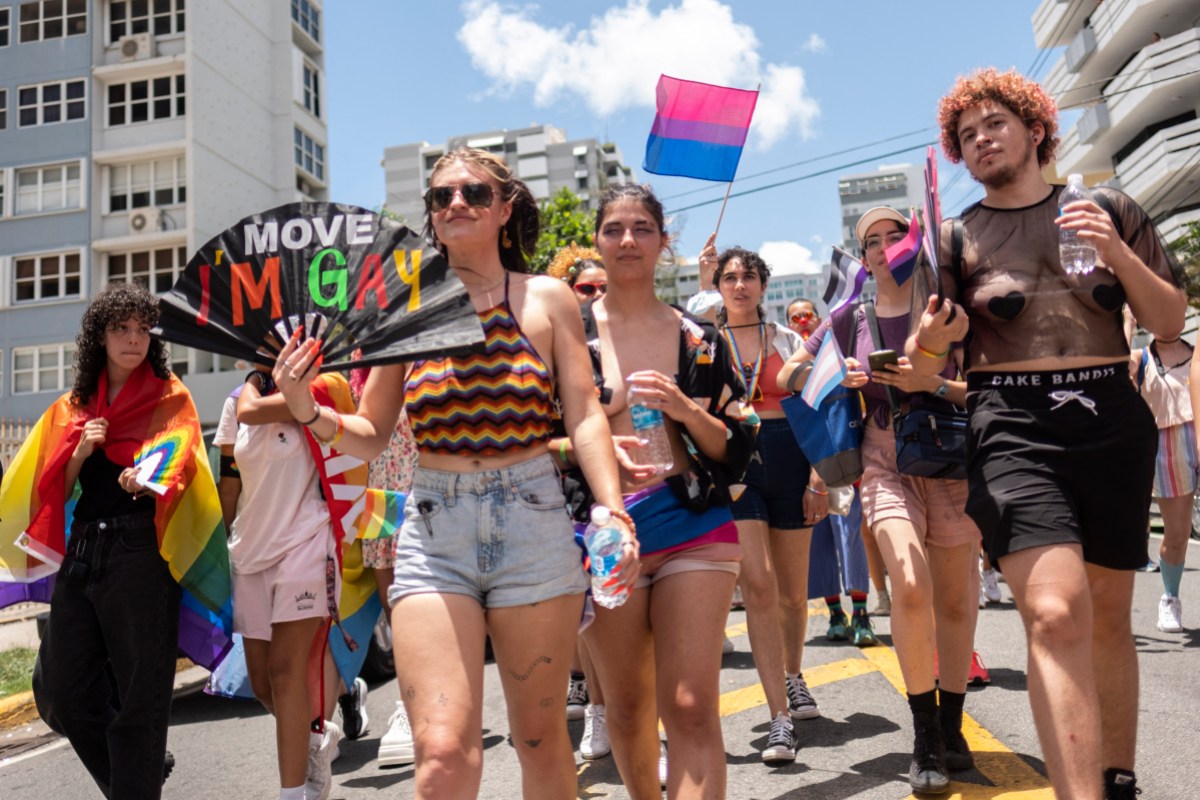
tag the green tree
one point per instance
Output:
(1187, 250)
(564, 220)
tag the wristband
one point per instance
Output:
(803, 369)
(817, 493)
(929, 353)
(562, 452)
(316, 414)
(624, 517)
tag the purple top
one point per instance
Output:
(894, 333)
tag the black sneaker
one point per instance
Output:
(782, 743)
(1120, 785)
(168, 765)
(354, 710)
(928, 773)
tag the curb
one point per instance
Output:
(20, 709)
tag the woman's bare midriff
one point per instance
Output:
(445, 462)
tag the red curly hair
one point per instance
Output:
(1011, 89)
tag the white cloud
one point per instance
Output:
(614, 62)
(790, 258)
(815, 43)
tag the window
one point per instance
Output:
(160, 17)
(312, 89)
(1, 193)
(177, 359)
(51, 188)
(310, 156)
(308, 17)
(52, 19)
(47, 368)
(157, 270)
(45, 277)
(3, 109)
(47, 103)
(148, 183)
(140, 101)
(5, 26)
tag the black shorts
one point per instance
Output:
(1064, 457)
(775, 479)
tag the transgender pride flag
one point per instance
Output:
(828, 370)
(699, 129)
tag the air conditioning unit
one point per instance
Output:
(145, 220)
(136, 46)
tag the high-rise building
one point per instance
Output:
(1134, 67)
(132, 132)
(901, 186)
(541, 156)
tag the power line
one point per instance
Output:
(777, 184)
(854, 149)
(1106, 95)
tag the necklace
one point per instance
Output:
(747, 325)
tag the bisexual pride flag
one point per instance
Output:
(699, 129)
(902, 256)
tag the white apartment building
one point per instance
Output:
(541, 156)
(132, 132)
(1134, 66)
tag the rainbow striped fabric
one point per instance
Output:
(383, 514)
(483, 403)
(34, 501)
(699, 129)
(161, 460)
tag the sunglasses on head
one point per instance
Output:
(478, 195)
(803, 316)
(589, 289)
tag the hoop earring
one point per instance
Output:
(505, 242)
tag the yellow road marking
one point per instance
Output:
(753, 696)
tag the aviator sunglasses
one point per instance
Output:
(477, 195)
(590, 289)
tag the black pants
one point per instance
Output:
(115, 609)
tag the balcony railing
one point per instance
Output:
(1166, 165)
(1093, 122)
(1083, 45)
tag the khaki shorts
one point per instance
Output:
(291, 589)
(935, 507)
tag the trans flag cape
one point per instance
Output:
(34, 505)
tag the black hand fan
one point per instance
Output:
(346, 275)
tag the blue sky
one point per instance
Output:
(835, 75)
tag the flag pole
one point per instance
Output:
(729, 186)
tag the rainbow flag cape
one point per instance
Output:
(699, 129)
(34, 511)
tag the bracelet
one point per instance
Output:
(929, 353)
(562, 452)
(624, 517)
(337, 433)
(801, 370)
(316, 414)
(818, 494)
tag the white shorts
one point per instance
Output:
(295, 587)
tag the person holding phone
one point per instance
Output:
(929, 544)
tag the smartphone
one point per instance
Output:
(881, 358)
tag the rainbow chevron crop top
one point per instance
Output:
(483, 403)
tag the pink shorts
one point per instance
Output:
(933, 506)
(712, 557)
(291, 589)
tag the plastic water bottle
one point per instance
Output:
(603, 541)
(1078, 256)
(655, 447)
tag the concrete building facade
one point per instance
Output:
(541, 156)
(1134, 68)
(130, 134)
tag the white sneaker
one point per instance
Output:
(662, 764)
(1170, 614)
(577, 698)
(883, 605)
(353, 708)
(983, 600)
(990, 584)
(594, 743)
(726, 646)
(318, 780)
(396, 746)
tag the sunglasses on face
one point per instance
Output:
(887, 240)
(803, 316)
(590, 289)
(477, 195)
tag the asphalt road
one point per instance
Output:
(859, 748)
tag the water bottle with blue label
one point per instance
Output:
(603, 538)
(655, 448)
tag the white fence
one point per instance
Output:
(12, 436)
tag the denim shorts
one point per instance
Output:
(500, 536)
